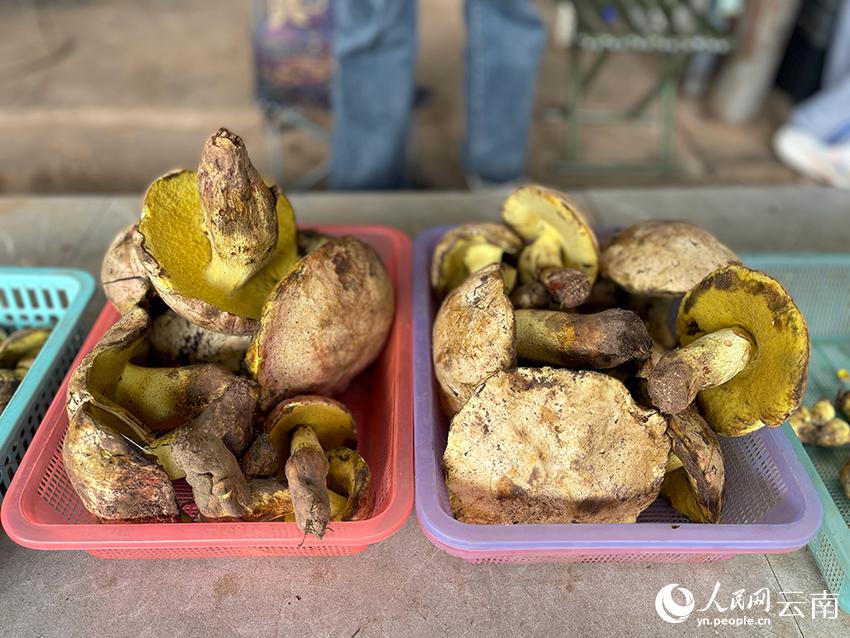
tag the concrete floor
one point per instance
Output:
(103, 95)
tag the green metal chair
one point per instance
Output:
(670, 28)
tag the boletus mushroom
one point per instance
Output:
(21, 343)
(125, 281)
(545, 445)
(744, 354)
(323, 324)
(301, 429)
(216, 243)
(8, 384)
(477, 332)
(176, 341)
(659, 261)
(116, 405)
(467, 248)
(695, 487)
(562, 251)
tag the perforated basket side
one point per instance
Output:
(820, 285)
(39, 298)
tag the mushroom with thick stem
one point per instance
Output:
(323, 324)
(215, 244)
(262, 459)
(562, 251)
(21, 343)
(744, 354)
(658, 262)
(301, 429)
(176, 341)
(467, 248)
(477, 332)
(545, 445)
(125, 281)
(695, 475)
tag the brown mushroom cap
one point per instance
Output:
(177, 341)
(448, 263)
(125, 281)
(696, 488)
(112, 477)
(474, 336)
(324, 323)
(772, 383)
(331, 420)
(663, 258)
(539, 445)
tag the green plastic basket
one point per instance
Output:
(39, 298)
(820, 284)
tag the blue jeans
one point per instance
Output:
(826, 115)
(373, 89)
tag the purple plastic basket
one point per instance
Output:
(771, 505)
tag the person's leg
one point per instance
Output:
(838, 58)
(372, 92)
(826, 115)
(505, 40)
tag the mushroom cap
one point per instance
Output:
(112, 477)
(663, 258)
(331, 420)
(532, 210)
(324, 323)
(177, 341)
(696, 488)
(21, 343)
(474, 335)
(772, 384)
(448, 269)
(125, 281)
(348, 475)
(175, 252)
(541, 445)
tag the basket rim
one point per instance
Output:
(16, 410)
(647, 537)
(34, 534)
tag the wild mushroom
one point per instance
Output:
(659, 261)
(8, 384)
(215, 244)
(844, 478)
(477, 332)
(125, 282)
(301, 429)
(115, 404)
(562, 251)
(695, 488)
(20, 344)
(543, 445)
(176, 341)
(262, 459)
(466, 249)
(323, 324)
(744, 354)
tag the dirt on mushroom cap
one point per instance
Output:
(175, 252)
(125, 281)
(324, 323)
(539, 445)
(663, 258)
(773, 382)
(474, 335)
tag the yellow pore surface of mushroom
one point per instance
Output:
(772, 384)
(557, 232)
(179, 251)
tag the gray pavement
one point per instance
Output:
(403, 586)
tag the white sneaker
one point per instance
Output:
(807, 155)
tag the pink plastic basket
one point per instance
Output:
(42, 511)
(770, 503)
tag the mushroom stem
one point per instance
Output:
(707, 362)
(307, 474)
(596, 341)
(570, 287)
(239, 214)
